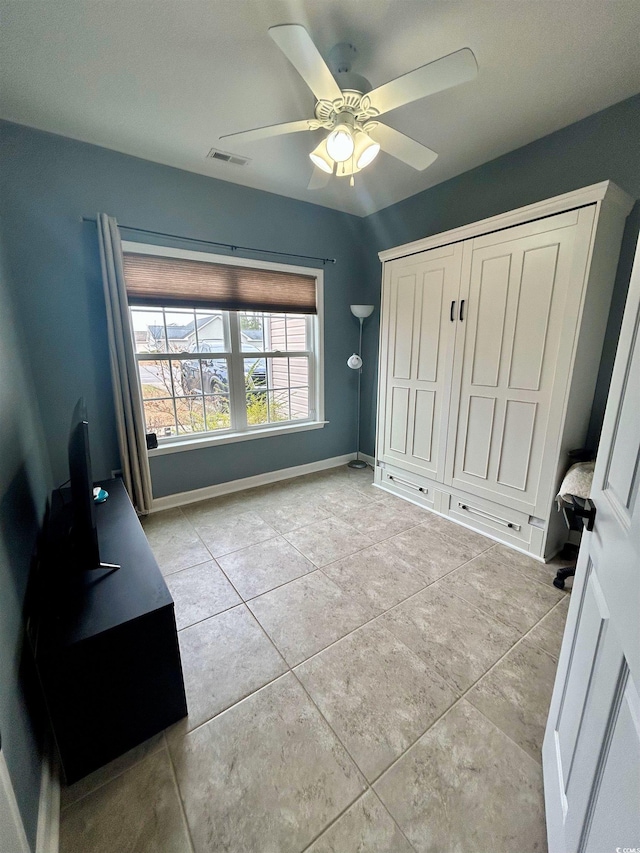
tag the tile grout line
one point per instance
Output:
(212, 616)
(521, 570)
(229, 707)
(112, 778)
(493, 616)
(178, 792)
(185, 568)
(402, 832)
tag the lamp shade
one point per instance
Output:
(362, 311)
(320, 157)
(365, 151)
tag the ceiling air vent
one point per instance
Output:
(214, 154)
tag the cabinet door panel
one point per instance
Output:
(489, 321)
(399, 420)
(532, 318)
(418, 342)
(479, 430)
(518, 285)
(423, 424)
(405, 298)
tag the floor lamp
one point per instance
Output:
(355, 363)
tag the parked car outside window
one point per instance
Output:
(214, 371)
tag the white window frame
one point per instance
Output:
(315, 354)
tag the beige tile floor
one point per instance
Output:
(362, 677)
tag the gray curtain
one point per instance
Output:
(124, 369)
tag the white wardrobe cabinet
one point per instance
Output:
(489, 350)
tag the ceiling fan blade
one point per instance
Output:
(269, 130)
(319, 179)
(451, 70)
(296, 44)
(403, 147)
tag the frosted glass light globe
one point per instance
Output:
(340, 143)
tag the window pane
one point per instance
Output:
(155, 379)
(275, 332)
(181, 330)
(296, 332)
(159, 417)
(148, 329)
(278, 372)
(251, 331)
(213, 373)
(299, 372)
(255, 373)
(299, 403)
(190, 412)
(287, 372)
(279, 406)
(272, 332)
(211, 332)
(218, 414)
(257, 407)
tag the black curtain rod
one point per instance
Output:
(214, 243)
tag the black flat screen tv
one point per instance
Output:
(84, 532)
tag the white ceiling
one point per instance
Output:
(162, 79)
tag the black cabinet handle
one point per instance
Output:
(462, 311)
(453, 310)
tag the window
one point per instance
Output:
(209, 374)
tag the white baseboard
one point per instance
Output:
(48, 834)
(183, 498)
(370, 460)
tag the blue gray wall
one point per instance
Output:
(604, 146)
(24, 488)
(51, 182)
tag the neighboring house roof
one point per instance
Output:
(173, 332)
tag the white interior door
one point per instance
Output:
(591, 752)
(421, 307)
(523, 288)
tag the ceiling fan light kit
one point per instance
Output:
(349, 109)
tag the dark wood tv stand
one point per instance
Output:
(106, 644)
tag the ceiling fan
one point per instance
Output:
(349, 109)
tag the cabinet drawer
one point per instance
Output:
(498, 521)
(407, 485)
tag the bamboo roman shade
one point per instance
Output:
(156, 280)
